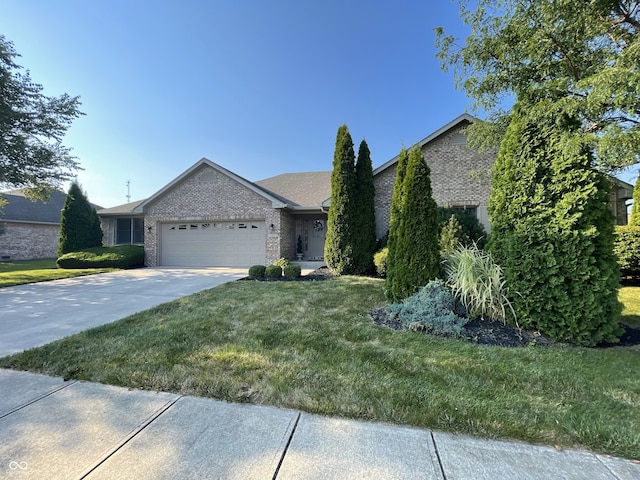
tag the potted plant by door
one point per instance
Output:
(299, 248)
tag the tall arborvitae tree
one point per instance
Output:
(338, 247)
(365, 226)
(394, 220)
(79, 223)
(635, 209)
(552, 231)
(417, 246)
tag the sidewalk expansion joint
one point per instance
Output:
(31, 402)
(286, 447)
(435, 447)
(144, 424)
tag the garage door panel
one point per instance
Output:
(212, 244)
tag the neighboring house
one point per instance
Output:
(209, 216)
(30, 230)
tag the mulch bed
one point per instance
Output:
(493, 333)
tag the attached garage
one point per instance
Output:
(213, 244)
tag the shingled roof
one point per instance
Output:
(306, 189)
(125, 209)
(19, 208)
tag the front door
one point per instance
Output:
(315, 232)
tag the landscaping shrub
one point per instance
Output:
(273, 271)
(472, 230)
(380, 261)
(123, 256)
(281, 262)
(257, 271)
(478, 283)
(451, 236)
(431, 309)
(292, 271)
(627, 249)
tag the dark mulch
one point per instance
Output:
(493, 333)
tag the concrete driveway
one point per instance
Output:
(38, 313)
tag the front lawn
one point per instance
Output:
(17, 272)
(312, 346)
(630, 298)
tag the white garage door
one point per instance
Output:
(213, 244)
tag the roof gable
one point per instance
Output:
(455, 123)
(276, 202)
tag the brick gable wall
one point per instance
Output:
(451, 162)
(208, 195)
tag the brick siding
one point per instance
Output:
(27, 241)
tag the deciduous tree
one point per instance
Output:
(32, 126)
(583, 56)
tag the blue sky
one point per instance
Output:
(258, 87)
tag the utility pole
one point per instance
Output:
(128, 192)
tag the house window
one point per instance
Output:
(129, 230)
(469, 209)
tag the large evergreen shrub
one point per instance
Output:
(627, 249)
(364, 229)
(552, 231)
(416, 259)
(635, 209)
(79, 223)
(338, 247)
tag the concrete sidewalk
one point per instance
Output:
(52, 429)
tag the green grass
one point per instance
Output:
(18, 272)
(312, 346)
(630, 298)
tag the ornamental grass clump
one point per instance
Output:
(478, 283)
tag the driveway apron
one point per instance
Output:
(35, 314)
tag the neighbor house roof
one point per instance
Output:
(305, 189)
(19, 208)
(125, 209)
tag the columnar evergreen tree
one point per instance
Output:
(417, 247)
(365, 220)
(394, 220)
(635, 209)
(338, 247)
(79, 223)
(552, 231)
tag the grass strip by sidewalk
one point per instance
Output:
(312, 346)
(18, 272)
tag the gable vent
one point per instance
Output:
(459, 139)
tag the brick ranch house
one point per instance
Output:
(209, 216)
